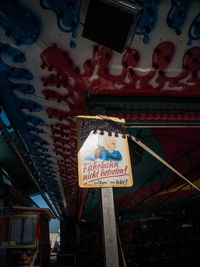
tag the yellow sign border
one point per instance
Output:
(80, 178)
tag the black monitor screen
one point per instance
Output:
(108, 25)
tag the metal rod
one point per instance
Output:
(160, 126)
(55, 205)
(109, 228)
(150, 151)
(83, 199)
(26, 167)
(180, 187)
(120, 246)
(159, 172)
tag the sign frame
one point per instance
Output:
(92, 170)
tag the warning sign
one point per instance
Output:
(103, 156)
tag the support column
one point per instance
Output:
(67, 254)
(109, 228)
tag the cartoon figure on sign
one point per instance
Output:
(107, 151)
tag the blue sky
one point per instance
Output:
(5, 119)
(54, 224)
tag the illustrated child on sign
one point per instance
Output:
(107, 152)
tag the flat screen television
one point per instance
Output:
(112, 23)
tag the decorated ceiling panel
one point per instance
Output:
(48, 71)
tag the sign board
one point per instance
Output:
(103, 154)
(22, 231)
